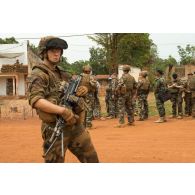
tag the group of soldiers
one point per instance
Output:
(122, 94)
(177, 89)
(46, 93)
(120, 100)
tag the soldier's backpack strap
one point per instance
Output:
(46, 71)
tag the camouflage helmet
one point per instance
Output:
(126, 68)
(51, 42)
(87, 68)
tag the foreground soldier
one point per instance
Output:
(143, 88)
(44, 95)
(126, 91)
(159, 86)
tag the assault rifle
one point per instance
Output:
(69, 100)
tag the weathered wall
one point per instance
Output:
(33, 59)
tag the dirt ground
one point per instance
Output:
(147, 141)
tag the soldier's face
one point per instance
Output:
(54, 55)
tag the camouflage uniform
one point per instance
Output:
(193, 104)
(113, 98)
(143, 87)
(193, 95)
(187, 98)
(176, 98)
(159, 85)
(107, 98)
(97, 106)
(125, 90)
(45, 83)
(89, 81)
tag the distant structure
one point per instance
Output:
(16, 62)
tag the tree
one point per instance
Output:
(134, 49)
(125, 48)
(10, 40)
(187, 55)
(98, 61)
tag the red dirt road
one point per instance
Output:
(147, 141)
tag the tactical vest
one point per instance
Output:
(192, 83)
(174, 90)
(128, 81)
(85, 81)
(52, 93)
(146, 84)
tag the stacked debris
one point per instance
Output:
(7, 68)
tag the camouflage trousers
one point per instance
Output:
(143, 106)
(176, 100)
(97, 109)
(90, 100)
(135, 107)
(193, 104)
(188, 103)
(113, 107)
(125, 105)
(160, 106)
(76, 139)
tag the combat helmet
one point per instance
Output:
(51, 42)
(126, 68)
(87, 69)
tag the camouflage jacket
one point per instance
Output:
(45, 83)
(159, 85)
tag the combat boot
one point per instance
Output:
(165, 120)
(179, 117)
(131, 124)
(172, 116)
(110, 117)
(120, 126)
(160, 120)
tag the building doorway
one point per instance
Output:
(9, 86)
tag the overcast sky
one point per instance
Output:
(79, 45)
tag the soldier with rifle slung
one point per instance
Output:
(59, 111)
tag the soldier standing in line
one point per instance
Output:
(44, 94)
(108, 96)
(126, 90)
(176, 89)
(91, 84)
(159, 85)
(143, 88)
(113, 97)
(188, 96)
(192, 88)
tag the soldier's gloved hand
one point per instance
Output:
(69, 117)
(81, 91)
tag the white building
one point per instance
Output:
(13, 75)
(134, 72)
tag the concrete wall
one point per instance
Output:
(2, 86)
(21, 85)
(33, 60)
